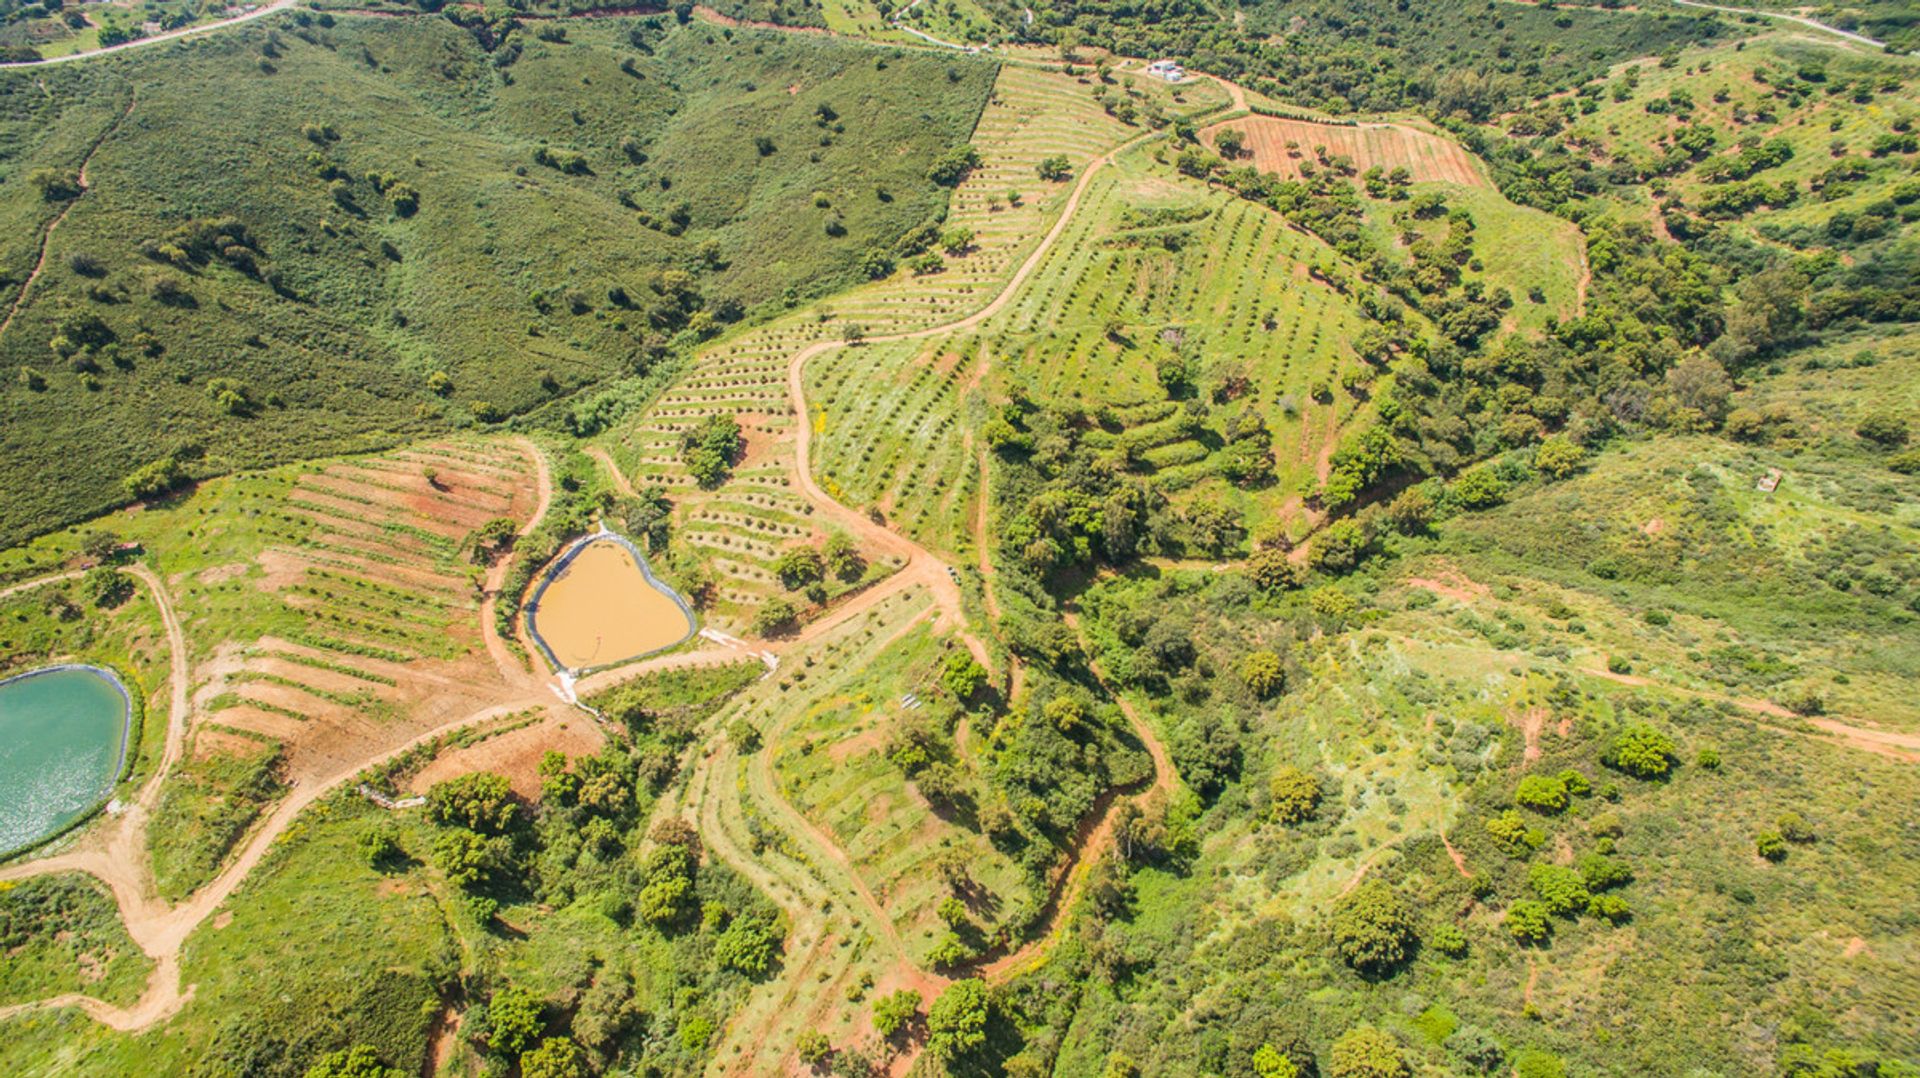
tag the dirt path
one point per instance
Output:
(119, 857)
(1095, 839)
(46, 237)
(512, 669)
(1888, 743)
(619, 477)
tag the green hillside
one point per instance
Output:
(330, 237)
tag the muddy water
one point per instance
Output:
(602, 609)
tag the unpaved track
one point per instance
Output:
(46, 236)
(1787, 17)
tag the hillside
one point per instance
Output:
(399, 226)
(821, 537)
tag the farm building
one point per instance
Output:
(1169, 70)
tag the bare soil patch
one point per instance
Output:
(1427, 157)
(516, 753)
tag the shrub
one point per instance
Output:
(1296, 795)
(1884, 429)
(1053, 168)
(1373, 928)
(957, 1021)
(1641, 751)
(1542, 793)
(514, 1020)
(1771, 845)
(1365, 1052)
(1271, 571)
(1528, 921)
(951, 167)
(892, 1012)
(1262, 673)
(1479, 488)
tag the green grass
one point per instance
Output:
(63, 934)
(481, 283)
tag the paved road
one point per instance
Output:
(1787, 17)
(170, 35)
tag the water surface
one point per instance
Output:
(62, 735)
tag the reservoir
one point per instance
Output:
(599, 605)
(63, 734)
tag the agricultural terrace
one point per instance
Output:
(735, 532)
(1282, 146)
(1163, 290)
(333, 614)
(1692, 121)
(853, 884)
(893, 428)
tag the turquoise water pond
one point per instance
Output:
(62, 737)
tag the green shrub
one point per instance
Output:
(1641, 751)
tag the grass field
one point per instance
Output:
(343, 319)
(1745, 94)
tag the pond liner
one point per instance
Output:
(120, 767)
(558, 567)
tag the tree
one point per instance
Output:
(56, 185)
(1230, 142)
(1477, 1049)
(1641, 751)
(1542, 793)
(776, 617)
(1365, 1052)
(360, 1061)
(843, 556)
(379, 845)
(1272, 572)
(104, 587)
(1373, 928)
(1561, 888)
(957, 1021)
(954, 165)
(799, 566)
(1700, 384)
(557, 1057)
(747, 945)
(480, 800)
(155, 479)
(1268, 1062)
(1296, 795)
(813, 1047)
(1529, 921)
(1447, 938)
(957, 240)
(962, 676)
(894, 1011)
(1559, 456)
(1054, 168)
(709, 448)
(1479, 488)
(514, 1020)
(1262, 673)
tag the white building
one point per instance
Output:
(1169, 70)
